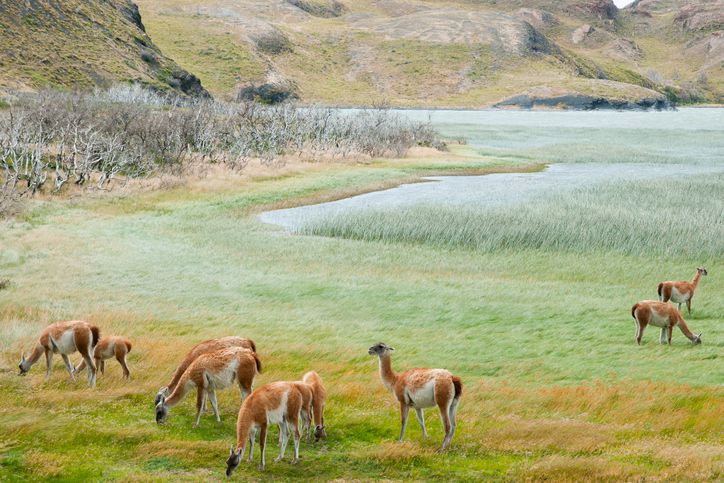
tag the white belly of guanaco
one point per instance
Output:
(225, 377)
(65, 344)
(423, 397)
(276, 415)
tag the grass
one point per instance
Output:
(76, 45)
(211, 53)
(623, 217)
(543, 339)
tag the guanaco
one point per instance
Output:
(682, 291)
(64, 338)
(277, 403)
(209, 372)
(319, 399)
(419, 389)
(663, 315)
(204, 347)
(107, 347)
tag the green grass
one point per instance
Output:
(621, 217)
(542, 338)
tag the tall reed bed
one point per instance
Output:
(669, 217)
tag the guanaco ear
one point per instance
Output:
(22, 357)
(231, 452)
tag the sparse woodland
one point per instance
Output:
(50, 139)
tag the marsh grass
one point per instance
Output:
(664, 217)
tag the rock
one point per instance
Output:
(187, 83)
(320, 8)
(601, 9)
(272, 92)
(581, 102)
(581, 33)
(591, 95)
(698, 17)
(540, 19)
(131, 12)
(623, 49)
(504, 33)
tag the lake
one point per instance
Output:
(584, 148)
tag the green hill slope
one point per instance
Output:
(82, 44)
(445, 53)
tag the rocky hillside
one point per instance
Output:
(82, 44)
(448, 52)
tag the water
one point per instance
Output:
(586, 148)
(489, 190)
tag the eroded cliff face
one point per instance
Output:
(83, 44)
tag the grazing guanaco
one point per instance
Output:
(681, 292)
(110, 346)
(64, 338)
(276, 403)
(204, 347)
(419, 389)
(319, 399)
(209, 372)
(663, 315)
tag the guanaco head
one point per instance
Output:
(319, 433)
(379, 349)
(702, 271)
(232, 461)
(24, 365)
(162, 393)
(696, 340)
(161, 411)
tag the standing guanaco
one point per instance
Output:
(110, 346)
(419, 389)
(682, 291)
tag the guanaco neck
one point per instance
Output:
(178, 392)
(38, 351)
(386, 373)
(243, 428)
(695, 280)
(685, 329)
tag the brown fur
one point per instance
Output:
(319, 399)
(85, 337)
(211, 364)
(206, 347)
(685, 290)
(660, 313)
(254, 414)
(409, 388)
(120, 346)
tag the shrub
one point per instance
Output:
(91, 139)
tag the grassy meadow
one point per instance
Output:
(538, 326)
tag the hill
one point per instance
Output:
(447, 53)
(82, 44)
